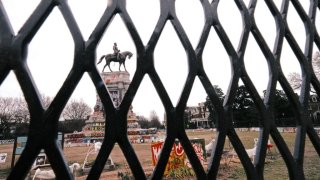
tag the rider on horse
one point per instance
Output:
(116, 56)
(116, 51)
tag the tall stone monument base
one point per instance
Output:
(117, 84)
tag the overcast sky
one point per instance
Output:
(50, 55)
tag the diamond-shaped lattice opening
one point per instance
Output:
(291, 68)
(216, 62)
(178, 164)
(274, 163)
(231, 21)
(296, 26)
(265, 23)
(171, 62)
(117, 84)
(278, 4)
(311, 160)
(305, 6)
(196, 108)
(245, 112)
(246, 120)
(228, 161)
(146, 123)
(285, 117)
(116, 33)
(144, 154)
(81, 103)
(190, 14)
(202, 143)
(254, 58)
(50, 54)
(248, 137)
(46, 100)
(121, 165)
(82, 123)
(10, 86)
(200, 121)
(230, 165)
(185, 169)
(284, 112)
(146, 102)
(19, 11)
(144, 20)
(289, 139)
(87, 14)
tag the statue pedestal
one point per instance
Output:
(117, 84)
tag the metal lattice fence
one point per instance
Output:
(44, 122)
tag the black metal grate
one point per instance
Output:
(44, 122)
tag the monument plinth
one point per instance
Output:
(117, 84)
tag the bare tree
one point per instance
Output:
(316, 64)
(76, 110)
(12, 112)
(295, 79)
(143, 122)
(22, 114)
(46, 100)
(5, 117)
(14, 109)
(154, 120)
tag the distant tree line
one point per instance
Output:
(152, 122)
(15, 117)
(71, 125)
(245, 112)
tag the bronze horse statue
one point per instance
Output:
(113, 58)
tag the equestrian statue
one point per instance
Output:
(117, 56)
